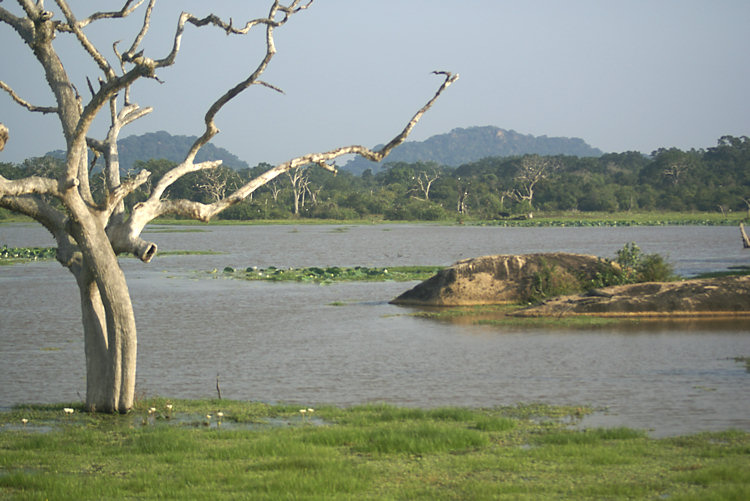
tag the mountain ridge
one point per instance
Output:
(163, 145)
(453, 149)
(464, 145)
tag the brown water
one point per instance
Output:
(285, 342)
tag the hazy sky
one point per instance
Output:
(625, 75)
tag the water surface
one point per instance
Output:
(286, 342)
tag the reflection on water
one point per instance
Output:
(287, 342)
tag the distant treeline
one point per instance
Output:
(714, 179)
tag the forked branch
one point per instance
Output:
(142, 213)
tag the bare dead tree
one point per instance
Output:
(674, 171)
(313, 193)
(299, 180)
(215, 184)
(533, 169)
(463, 196)
(275, 188)
(90, 235)
(424, 180)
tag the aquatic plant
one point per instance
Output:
(330, 274)
(21, 254)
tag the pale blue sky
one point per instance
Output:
(625, 75)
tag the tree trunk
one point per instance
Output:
(109, 328)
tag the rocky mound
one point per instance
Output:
(699, 297)
(506, 279)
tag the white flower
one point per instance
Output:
(24, 421)
(169, 407)
(310, 410)
(152, 410)
(68, 410)
(208, 416)
(219, 414)
(302, 411)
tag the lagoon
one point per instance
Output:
(344, 344)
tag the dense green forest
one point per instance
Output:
(715, 179)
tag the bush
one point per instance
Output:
(331, 210)
(551, 281)
(639, 267)
(653, 268)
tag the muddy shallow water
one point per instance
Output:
(344, 344)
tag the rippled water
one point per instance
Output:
(286, 342)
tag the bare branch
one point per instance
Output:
(124, 12)
(24, 26)
(118, 194)
(101, 61)
(205, 212)
(176, 173)
(24, 103)
(28, 186)
(141, 34)
(449, 79)
(38, 209)
(3, 136)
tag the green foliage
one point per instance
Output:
(375, 451)
(21, 254)
(639, 267)
(715, 181)
(551, 281)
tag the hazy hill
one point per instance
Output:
(161, 144)
(461, 146)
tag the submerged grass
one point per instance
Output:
(374, 451)
(501, 316)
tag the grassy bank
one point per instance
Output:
(256, 451)
(557, 218)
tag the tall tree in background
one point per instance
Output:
(90, 234)
(533, 170)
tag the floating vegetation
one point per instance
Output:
(332, 274)
(10, 255)
(745, 360)
(189, 253)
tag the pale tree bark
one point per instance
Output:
(533, 170)
(463, 197)
(3, 136)
(275, 189)
(674, 171)
(90, 235)
(299, 180)
(214, 184)
(424, 180)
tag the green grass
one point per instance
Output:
(374, 451)
(651, 218)
(541, 218)
(732, 271)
